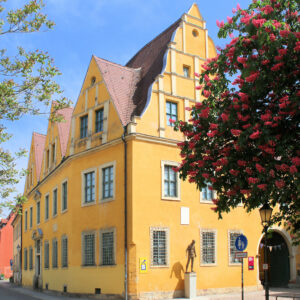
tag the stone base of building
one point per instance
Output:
(155, 295)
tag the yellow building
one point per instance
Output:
(106, 213)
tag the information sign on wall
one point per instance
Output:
(143, 265)
(250, 263)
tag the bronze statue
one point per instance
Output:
(191, 255)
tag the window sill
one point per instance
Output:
(208, 265)
(206, 201)
(170, 198)
(105, 266)
(54, 216)
(88, 203)
(234, 264)
(104, 200)
(159, 266)
(64, 211)
(89, 266)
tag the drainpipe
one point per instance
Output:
(125, 214)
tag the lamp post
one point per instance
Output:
(265, 215)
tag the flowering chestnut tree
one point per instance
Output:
(243, 138)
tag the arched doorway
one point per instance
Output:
(278, 259)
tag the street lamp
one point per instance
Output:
(265, 215)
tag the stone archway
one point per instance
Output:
(280, 254)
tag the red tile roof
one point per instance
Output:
(39, 143)
(64, 128)
(121, 84)
(129, 85)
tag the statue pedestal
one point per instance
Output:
(190, 285)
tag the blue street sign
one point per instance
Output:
(241, 243)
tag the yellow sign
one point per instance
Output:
(143, 265)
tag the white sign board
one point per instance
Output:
(241, 254)
(185, 216)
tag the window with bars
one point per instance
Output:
(47, 207)
(107, 247)
(88, 255)
(30, 258)
(54, 253)
(232, 249)
(107, 182)
(26, 220)
(99, 120)
(64, 199)
(30, 217)
(64, 252)
(25, 259)
(170, 182)
(207, 194)
(89, 187)
(159, 250)
(171, 112)
(46, 255)
(83, 127)
(186, 71)
(38, 212)
(208, 247)
(55, 202)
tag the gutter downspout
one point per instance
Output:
(125, 214)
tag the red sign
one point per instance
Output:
(250, 263)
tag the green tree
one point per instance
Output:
(26, 82)
(244, 137)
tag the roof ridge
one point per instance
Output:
(157, 37)
(116, 64)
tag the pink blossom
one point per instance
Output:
(172, 121)
(280, 183)
(296, 161)
(259, 168)
(293, 169)
(248, 171)
(241, 59)
(284, 33)
(197, 74)
(265, 62)
(206, 93)
(235, 132)
(272, 37)
(212, 133)
(229, 20)
(238, 6)
(252, 77)
(241, 163)
(255, 135)
(245, 192)
(220, 24)
(284, 167)
(258, 22)
(262, 187)
(272, 173)
(253, 180)
(224, 117)
(267, 9)
(234, 172)
(205, 175)
(231, 35)
(199, 87)
(213, 126)
(188, 108)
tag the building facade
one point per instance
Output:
(17, 248)
(6, 246)
(106, 212)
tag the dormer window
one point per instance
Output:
(93, 80)
(83, 126)
(186, 71)
(53, 153)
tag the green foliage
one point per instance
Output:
(244, 137)
(26, 83)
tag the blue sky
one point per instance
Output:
(111, 29)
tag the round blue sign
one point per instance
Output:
(241, 243)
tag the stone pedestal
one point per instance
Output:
(190, 285)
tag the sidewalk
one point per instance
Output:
(48, 295)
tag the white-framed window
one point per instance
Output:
(159, 239)
(46, 254)
(26, 220)
(30, 217)
(54, 201)
(88, 186)
(25, 259)
(83, 126)
(171, 112)
(47, 206)
(54, 253)
(88, 248)
(207, 194)
(99, 118)
(64, 251)
(64, 195)
(232, 235)
(170, 181)
(38, 212)
(186, 71)
(208, 247)
(30, 258)
(108, 246)
(107, 181)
